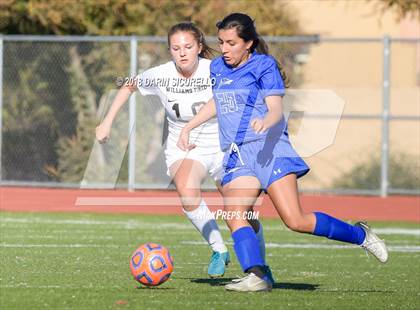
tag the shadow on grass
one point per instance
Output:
(141, 287)
(212, 282)
(357, 291)
(283, 286)
(296, 286)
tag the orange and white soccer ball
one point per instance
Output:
(151, 264)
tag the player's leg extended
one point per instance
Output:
(188, 175)
(240, 195)
(284, 195)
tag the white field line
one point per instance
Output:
(77, 245)
(61, 237)
(132, 224)
(38, 220)
(392, 248)
(397, 231)
(24, 285)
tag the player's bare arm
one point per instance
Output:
(103, 131)
(207, 112)
(273, 116)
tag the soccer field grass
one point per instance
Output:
(81, 261)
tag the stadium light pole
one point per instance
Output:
(385, 116)
(132, 119)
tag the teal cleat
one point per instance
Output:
(218, 263)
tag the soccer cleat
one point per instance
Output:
(266, 269)
(218, 263)
(249, 283)
(373, 244)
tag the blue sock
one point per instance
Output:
(335, 229)
(247, 248)
(261, 241)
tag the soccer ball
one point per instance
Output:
(151, 264)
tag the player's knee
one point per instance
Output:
(190, 198)
(295, 224)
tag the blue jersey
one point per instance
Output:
(239, 95)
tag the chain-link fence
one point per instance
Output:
(55, 90)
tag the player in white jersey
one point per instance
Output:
(182, 98)
(183, 85)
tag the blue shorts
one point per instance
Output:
(267, 160)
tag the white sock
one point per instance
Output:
(204, 221)
(261, 241)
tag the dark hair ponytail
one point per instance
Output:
(247, 31)
(262, 48)
(206, 51)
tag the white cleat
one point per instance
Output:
(249, 283)
(373, 244)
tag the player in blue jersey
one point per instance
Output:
(247, 98)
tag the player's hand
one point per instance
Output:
(103, 132)
(183, 140)
(258, 125)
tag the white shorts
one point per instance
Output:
(210, 157)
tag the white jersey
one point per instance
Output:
(182, 98)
